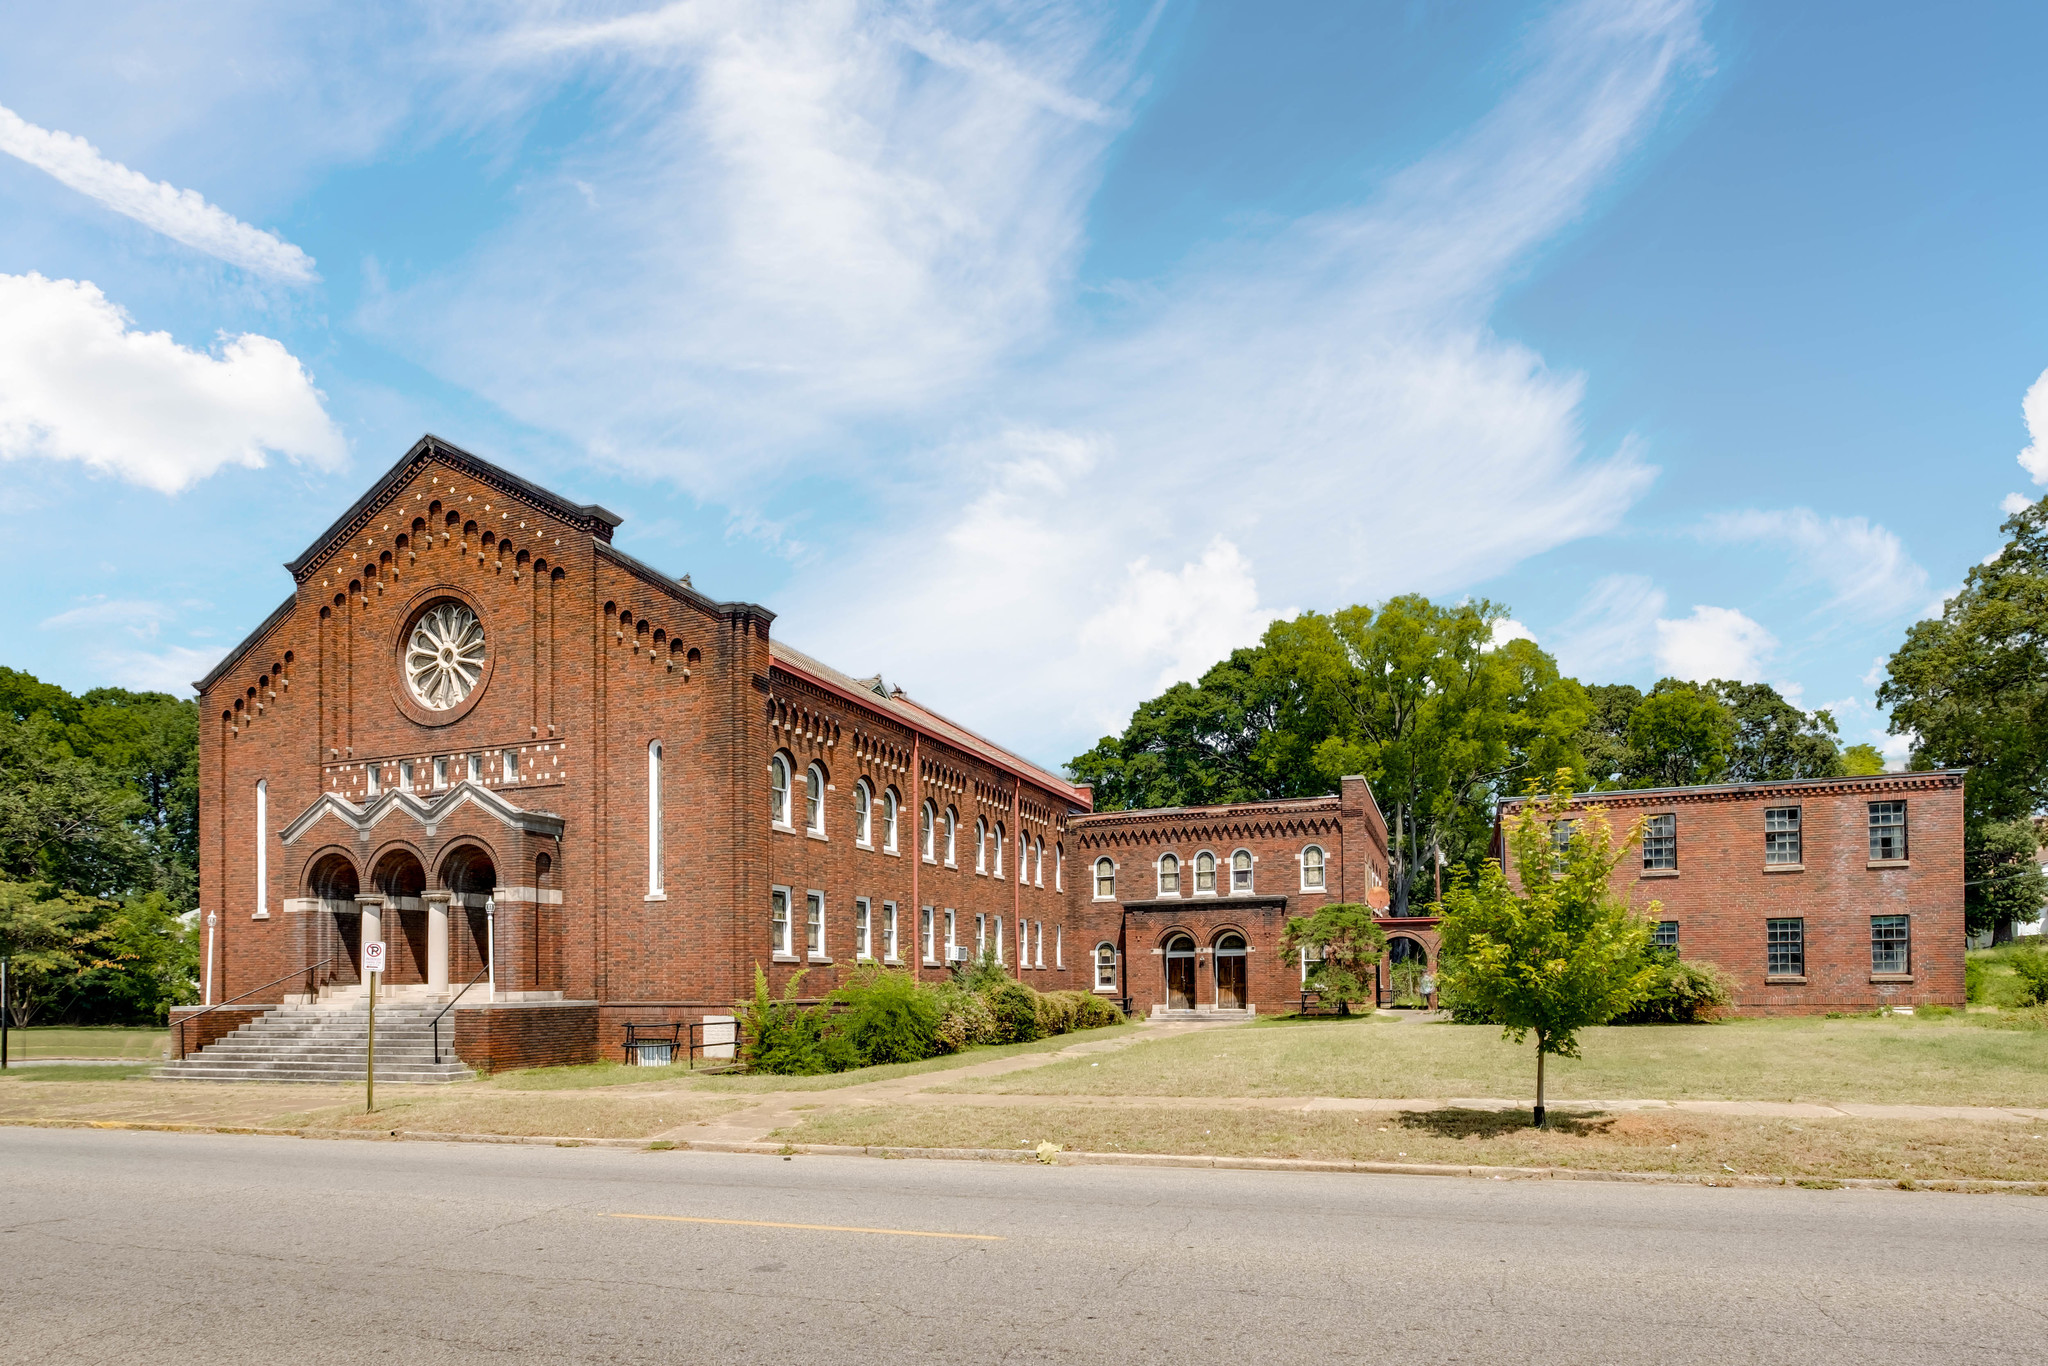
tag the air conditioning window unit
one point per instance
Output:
(957, 953)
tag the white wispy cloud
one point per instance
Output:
(2034, 408)
(1613, 629)
(183, 215)
(137, 617)
(1864, 566)
(79, 382)
(1713, 642)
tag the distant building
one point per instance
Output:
(1815, 895)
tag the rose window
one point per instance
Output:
(444, 656)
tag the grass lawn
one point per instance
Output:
(1890, 1060)
(85, 1041)
(667, 1078)
(561, 1116)
(1641, 1141)
(2002, 986)
(81, 1072)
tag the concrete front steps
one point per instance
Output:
(1212, 1014)
(326, 1043)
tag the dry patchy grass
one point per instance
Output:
(1893, 1060)
(86, 1041)
(1587, 1139)
(530, 1115)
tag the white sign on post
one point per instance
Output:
(373, 957)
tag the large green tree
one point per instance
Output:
(1684, 733)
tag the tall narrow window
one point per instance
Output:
(1891, 944)
(1059, 946)
(1105, 880)
(1205, 872)
(889, 820)
(1312, 868)
(263, 848)
(814, 800)
(1785, 948)
(511, 765)
(980, 936)
(654, 818)
(863, 946)
(1105, 967)
(927, 834)
(1241, 871)
(405, 776)
(1781, 835)
(952, 837)
(980, 845)
(1038, 862)
(1560, 845)
(863, 813)
(440, 774)
(1038, 942)
(814, 925)
(1000, 834)
(1887, 832)
(952, 941)
(1059, 867)
(476, 768)
(778, 922)
(778, 790)
(927, 934)
(373, 777)
(999, 941)
(1660, 843)
(888, 931)
(1169, 875)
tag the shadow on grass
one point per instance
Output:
(1466, 1123)
(1282, 1021)
(79, 1072)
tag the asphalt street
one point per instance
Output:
(128, 1246)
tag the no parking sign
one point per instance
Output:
(373, 957)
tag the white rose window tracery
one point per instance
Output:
(444, 655)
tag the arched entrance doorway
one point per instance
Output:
(1180, 972)
(1230, 971)
(1407, 965)
(402, 879)
(470, 876)
(336, 931)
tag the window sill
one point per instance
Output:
(779, 828)
(819, 958)
(1784, 981)
(655, 896)
(1105, 900)
(260, 915)
(814, 835)
(1784, 867)
(1314, 891)
(1889, 863)
(891, 853)
(1891, 977)
(1169, 896)
(868, 845)
(1660, 872)
(784, 958)
(1105, 991)
(929, 861)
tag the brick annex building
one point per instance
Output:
(476, 729)
(1815, 895)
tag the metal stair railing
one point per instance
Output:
(481, 973)
(308, 969)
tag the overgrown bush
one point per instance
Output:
(1016, 1010)
(964, 1018)
(788, 1039)
(1974, 973)
(2031, 967)
(886, 1016)
(1684, 991)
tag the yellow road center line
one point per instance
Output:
(814, 1228)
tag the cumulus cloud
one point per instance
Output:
(2034, 408)
(2014, 503)
(180, 214)
(79, 382)
(172, 670)
(1507, 629)
(1714, 642)
(1864, 565)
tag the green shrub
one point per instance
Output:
(1095, 1011)
(1015, 1007)
(1974, 973)
(2031, 968)
(2027, 1017)
(1683, 992)
(887, 1017)
(1058, 1013)
(1933, 1012)
(964, 1018)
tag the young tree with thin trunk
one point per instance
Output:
(1552, 949)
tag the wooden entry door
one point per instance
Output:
(1230, 963)
(1180, 973)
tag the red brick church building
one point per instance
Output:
(478, 732)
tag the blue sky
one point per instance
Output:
(1036, 356)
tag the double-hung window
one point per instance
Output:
(927, 934)
(888, 931)
(863, 813)
(1105, 967)
(814, 800)
(1105, 879)
(1660, 843)
(778, 790)
(778, 922)
(1205, 872)
(814, 924)
(1782, 836)
(1887, 832)
(1169, 875)
(1241, 871)
(1785, 948)
(1312, 868)
(862, 930)
(889, 821)
(1891, 945)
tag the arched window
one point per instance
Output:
(1105, 967)
(1038, 862)
(1312, 868)
(778, 790)
(952, 836)
(1059, 867)
(1105, 879)
(1000, 835)
(980, 845)
(889, 804)
(1169, 875)
(863, 813)
(814, 800)
(654, 818)
(1205, 872)
(927, 834)
(1241, 871)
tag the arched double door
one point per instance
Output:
(1228, 976)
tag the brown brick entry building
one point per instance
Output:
(541, 770)
(1817, 895)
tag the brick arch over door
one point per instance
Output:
(401, 875)
(469, 873)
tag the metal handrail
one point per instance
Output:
(482, 972)
(245, 996)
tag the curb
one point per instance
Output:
(1961, 1185)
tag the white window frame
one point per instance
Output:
(863, 814)
(655, 891)
(814, 800)
(1038, 943)
(1095, 876)
(862, 929)
(980, 935)
(1001, 835)
(1322, 884)
(1159, 874)
(1250, 887)
(1100, 984)
(928, 833)
(510, 765)
(1059, 867)
(1038, 861)
(476, 768)
(262, 852)
(373, 779)
(440, 772)
(780, 943)
(889, 949)
(891, 810)
(1000, 958)
(952, 932)
(952, 819)
(814, 919)
(928, 933)
(981, 845)
(779, 782)
(1199, 889)
(1059, 947)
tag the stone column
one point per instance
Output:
(437, 941)
(372, 908)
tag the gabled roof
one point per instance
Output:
(234, 656)
(428, 811)
(867, 693)
(589, 516)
